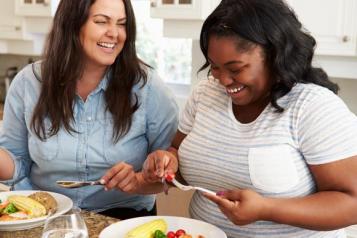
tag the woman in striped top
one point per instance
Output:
(267, 131)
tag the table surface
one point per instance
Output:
(95, 224)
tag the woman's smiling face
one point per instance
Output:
(104, 33)
(242, 72)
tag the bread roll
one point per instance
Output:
(47, 200)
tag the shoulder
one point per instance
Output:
(312, 91)
(153, 78)
(152, 81)
(210, 88)
(307, 94)
(26, 79)
(154, 91)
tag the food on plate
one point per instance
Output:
(18, 215)
(169, 177)
(180, 233)
(159, 234)
(31, 207)
(147, 230)
(171, 234)
(20, 207)
(47, 200)
(7, 208)
(157, 229)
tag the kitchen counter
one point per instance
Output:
(95, 224)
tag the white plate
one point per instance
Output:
(191, 226)
(64, 205)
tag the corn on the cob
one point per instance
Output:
(28, 205)
(148, 229)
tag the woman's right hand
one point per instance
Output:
(158, 164)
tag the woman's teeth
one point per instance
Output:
(106, 45)
(235, 90)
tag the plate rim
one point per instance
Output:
(16, 225)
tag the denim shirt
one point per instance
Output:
(88, 154)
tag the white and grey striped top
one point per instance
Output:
(269, 155)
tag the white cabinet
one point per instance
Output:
(37, 8)
(24, 25)
(332, 23)
(182, 9)
(10, 25)
(182, 18)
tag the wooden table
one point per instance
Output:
(95, 224)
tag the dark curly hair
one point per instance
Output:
(288, 49)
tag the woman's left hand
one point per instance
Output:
(242, 207)
(122, 177)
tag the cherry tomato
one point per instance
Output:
(170, 234)
(169, 177)
(180, 232)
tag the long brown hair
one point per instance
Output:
(62, 66)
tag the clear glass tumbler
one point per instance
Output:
(65, 226)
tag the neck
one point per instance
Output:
(248, 113)
(90, 79)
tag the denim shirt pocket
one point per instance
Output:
(130, 148)
(272, 168)
(43, 150)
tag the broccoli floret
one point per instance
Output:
(10, 209)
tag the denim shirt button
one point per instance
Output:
(89, 118)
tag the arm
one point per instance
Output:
(158, 164)
(7, 167)
(333, 206)
(161, 116)
(14, 157)
(123, 177)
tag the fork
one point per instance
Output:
(188, 187)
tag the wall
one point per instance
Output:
(348, 89)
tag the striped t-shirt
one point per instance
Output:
(269, 155)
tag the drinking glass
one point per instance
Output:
(65, 226)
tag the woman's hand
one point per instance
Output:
(122, 177)
(159, 163)
(242, 207)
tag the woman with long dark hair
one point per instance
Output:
(278, 145)
(90, 110)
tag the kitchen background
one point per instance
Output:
(168, 32)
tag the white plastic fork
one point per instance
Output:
(188, 187)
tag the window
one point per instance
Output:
(170, 57)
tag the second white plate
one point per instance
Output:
(191, 226)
